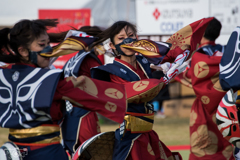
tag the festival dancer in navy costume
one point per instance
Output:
(80, 124)
(135, 139)
(32, 99)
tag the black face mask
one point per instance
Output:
(33, 55)
(125, 41)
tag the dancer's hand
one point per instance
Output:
(182, 57)
(175, 70)
(165, 67)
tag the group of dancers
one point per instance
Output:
(37, 100)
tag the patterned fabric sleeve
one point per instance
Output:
(106, 98)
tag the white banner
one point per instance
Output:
(165, 17)
(227, 12)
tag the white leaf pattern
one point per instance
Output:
(71, 64)
(230, 67)
(14, 105)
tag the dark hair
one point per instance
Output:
(114, 30)
(22, 34)
(213, 30)
(90, 30)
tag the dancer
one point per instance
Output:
(205, 139)
(135, 135)
(228, 109)
(135, 139)
(79, 124)
(207, 44)
(32, 97)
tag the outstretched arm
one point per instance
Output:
(106, 98)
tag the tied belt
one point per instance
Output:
(36, 132)
(139, 122)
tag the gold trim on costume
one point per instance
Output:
(32, 132)
(49, 140)
(68, 46)
(238, 100)
(147, 95)
(138, 125)
(144, 47)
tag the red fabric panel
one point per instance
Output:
(89, 127)
(147, 147)
(86, 65)
(206, 140)
(110, 107)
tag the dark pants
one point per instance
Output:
(51, 152)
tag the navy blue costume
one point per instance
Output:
(73, 119)
(26, 95)
(137, 114)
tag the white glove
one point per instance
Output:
(77, 34)
(182, 57)
(165, 67)
(162, 67)
(175, 70)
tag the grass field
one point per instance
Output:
(171, 131)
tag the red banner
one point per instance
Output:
(68, 19)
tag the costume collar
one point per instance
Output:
(207, 43)
(138, 65)
(126, 64)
